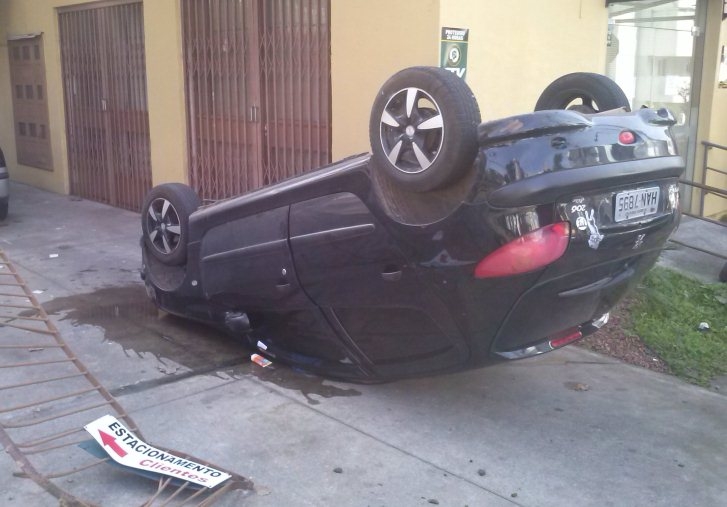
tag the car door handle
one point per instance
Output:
(391, 276)
(282, 287)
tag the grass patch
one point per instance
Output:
(667, 311)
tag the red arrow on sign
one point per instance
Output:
(111, 442)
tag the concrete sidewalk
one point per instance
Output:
(567, 428)
(691, 262)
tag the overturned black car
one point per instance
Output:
(453, 245)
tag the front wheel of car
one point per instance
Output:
(423, 128)
(165, 221)
(584, 92)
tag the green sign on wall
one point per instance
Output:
(453, 50)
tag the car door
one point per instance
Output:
(350, 265)
(246, 264)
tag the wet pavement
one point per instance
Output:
(124, 316)
(567, 428)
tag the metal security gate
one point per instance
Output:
(296, 74)
(42, 417)
(104, 84)
(258, 91)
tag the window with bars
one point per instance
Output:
(30, 105)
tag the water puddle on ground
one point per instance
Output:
(129, 318)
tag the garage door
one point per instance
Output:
(258, 91)
(104, 84)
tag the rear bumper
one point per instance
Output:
(568, 302)
(549, 187)
(607, 255)
(558, 340)
(598, 269)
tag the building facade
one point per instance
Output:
(103, 99)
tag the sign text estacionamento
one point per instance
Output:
(129, 450)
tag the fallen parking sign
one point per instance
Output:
(127, 449)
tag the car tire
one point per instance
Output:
(4, 208)
(423, 128)
(584, 92)
(723, 274)
(165, 221)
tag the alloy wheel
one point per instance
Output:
(412, 130)
(163, 226)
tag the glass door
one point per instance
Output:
(655, 54)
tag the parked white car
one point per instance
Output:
(4, 187)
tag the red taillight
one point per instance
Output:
(626, 137)
(526, 253)
(566, 337)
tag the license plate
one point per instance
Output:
(636, 203)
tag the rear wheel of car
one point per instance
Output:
(423, 128)
(584, 92)
(165, 221)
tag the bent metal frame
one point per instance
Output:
(44, 434)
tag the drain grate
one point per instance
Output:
(47, 396)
